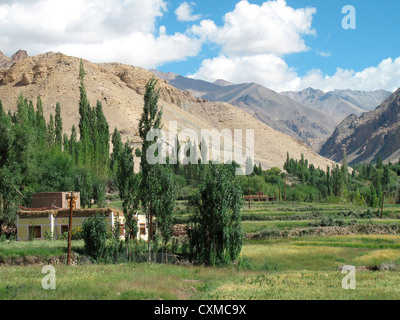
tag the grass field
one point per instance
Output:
(281, 268)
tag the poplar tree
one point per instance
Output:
(128, 186)
(117, 150)
(216, 237)
(101, 141)
(50, 135)
(164, 188)
(40, 123)
(58, 127)
(84, 122)
(150, 120)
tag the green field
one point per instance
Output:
(305, 267)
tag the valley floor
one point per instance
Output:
(273, 267)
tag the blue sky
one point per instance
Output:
(284, 45)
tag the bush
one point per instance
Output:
(76, 234)
(48, 235)
(64, 236)
(245, 263)
(94, 233)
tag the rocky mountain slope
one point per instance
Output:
(339, 103)
(375, 133)
(120, 88)
(6, 62)
(278, 111)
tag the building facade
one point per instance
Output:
(50, 218)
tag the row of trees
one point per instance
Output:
(362, 184)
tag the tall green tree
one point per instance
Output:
(117, 150)
(165, 189)
(51, 134)
(216, 237)
(150, 120)
(58, 128)
(40, 123)
(85, 127)
(128, 186)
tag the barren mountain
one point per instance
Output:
(6, 62)
(278, 111)
(120, 88)
(339, 103)
(375, 133)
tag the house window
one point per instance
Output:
(142, 229)
(121, 230)
(35, 232)
(64, 229)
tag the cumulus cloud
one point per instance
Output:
(272, 27)
(273, 72)
(142, 49)
(99, 30)
(266, 69)
(386, 75)
(185, 12)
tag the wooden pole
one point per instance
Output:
(72, 202)
(150, 237)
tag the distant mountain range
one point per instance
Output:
(306, 124)
(339, 103)
(374, 134)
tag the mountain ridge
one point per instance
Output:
(278, 111)
(371, 135)
(339, 103)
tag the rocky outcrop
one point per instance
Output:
(6, 62)
(374, 134)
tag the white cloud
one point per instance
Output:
(144, 50)
(273, 72)
(185, 12)
(272, 27)
(99, 30)
(386, 75)
(269, 70)
(325, 54)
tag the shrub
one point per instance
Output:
(76, 234)
(245, 263)
(48, 235)
(94, 232)
(64, 236)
